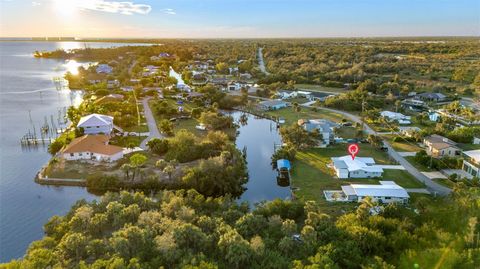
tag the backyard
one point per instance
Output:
(292, 116)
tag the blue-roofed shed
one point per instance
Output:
(283, 164)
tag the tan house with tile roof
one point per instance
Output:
(439, 146)
(91, 147)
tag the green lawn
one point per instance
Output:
(402, 178)
(419, 166)
(319, 88)
(346, 132)
(291, 116)
(445, 182)
(124, 141)
(468, 146)
(402, 145)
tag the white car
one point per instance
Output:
(201, 127)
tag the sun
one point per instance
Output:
(66, 8)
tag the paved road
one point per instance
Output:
(152, 124)
(261, 62)
(432, 186)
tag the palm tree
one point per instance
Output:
(126, 169)
(169, 169)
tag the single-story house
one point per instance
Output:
(273, 104)
(104, 69)
(471, 162)
(394, 116)
(91, 147)
(386, 192)
(360, 167)
(127, 88)
(325, 128)
(431, 96)
(245, 76)
(96, 124)
(408, 131)
(219, 81)
(439, 146)
(233, 70)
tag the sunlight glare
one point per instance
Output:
(72, 66)
(65, 7)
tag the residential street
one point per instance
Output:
(152, 124)
(261, 62)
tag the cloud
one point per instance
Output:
(169, 11)
(126, 8)
(35, 4)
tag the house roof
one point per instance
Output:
(474, 154)
(385, 189)
(273, 103)
(359, 163)
(442, 145)
(92, 143)
(439, 139)
(282, 163)
(95, 120)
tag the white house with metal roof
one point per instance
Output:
(96, 124)
(471, 162)
(360, 167)
(386, 192)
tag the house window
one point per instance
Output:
(80, 154)
(388, 198)
(71, 154)
(98, 126)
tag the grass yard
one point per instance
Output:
(469, 146)
(421, 167)
(445, 182)
(291, 116)
(402, 178)
(319, 88)
(346, 132)
(124, 141)
(402, 145)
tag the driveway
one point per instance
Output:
(152, 124)
(393, 167)
(432, 175)
(407, 153)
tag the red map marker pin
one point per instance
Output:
(353, 149)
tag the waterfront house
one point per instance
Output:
(325, 127)
(471, 162)
(394, 116)
(104, 69)
(273, 104)
(387, 192)
(360, 167)
(96, 124)
(91, 147)
(439, 146)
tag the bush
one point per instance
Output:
(158, 146)
(55, 147)
(102, 182)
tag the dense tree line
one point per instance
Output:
(184, 229)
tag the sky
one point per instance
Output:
(238, 18)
